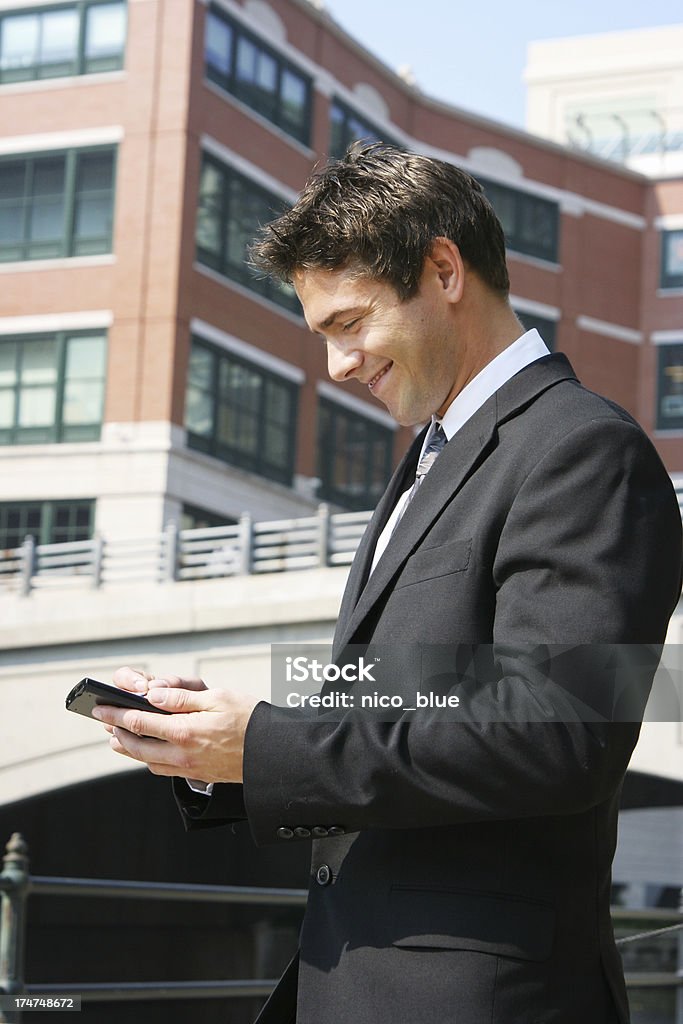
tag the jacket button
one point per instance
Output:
(336, 830)
(319, 831)
(323, 875)
(284, 833)
(302, 833)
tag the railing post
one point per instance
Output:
(171, 552)
(323, 533)
(13, 891)
(28, 564)
(246, 544)
(97, 561)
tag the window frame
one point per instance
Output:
(266, 286)
(48, 511)
(374, 134)
(79, 64)
(669, 281)
(59, 431)
(211, 443)
(328, 446)
(230, 82)
(524, 203)
(663, 423)
(68, 243)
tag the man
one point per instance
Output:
(461, 867)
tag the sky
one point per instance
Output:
(473, 54)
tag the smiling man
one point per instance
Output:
(460, 866)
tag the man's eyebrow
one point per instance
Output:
(336, 315)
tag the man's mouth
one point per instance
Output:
(378, 376)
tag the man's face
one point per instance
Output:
(404, 351)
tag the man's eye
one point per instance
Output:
(352, 323)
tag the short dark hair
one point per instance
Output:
(380, 208)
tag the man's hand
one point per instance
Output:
(203, 738)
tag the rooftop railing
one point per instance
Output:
(248, 547)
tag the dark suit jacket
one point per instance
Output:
(466, 863)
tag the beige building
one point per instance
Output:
(618, 95)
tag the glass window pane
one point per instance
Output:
(294, 95)
(19, 41)
(7, 407)
(86, 358)
(201, 366)
(670, 403)
(672, 259)
(105, 30)
(293, 90)
(12, 179)
(58, 37)
(209, 213)
(8, 364)
(39, 362)
(83, 402)
(218, 43)
(37, 407)
(46, 217)
(246, 60)
(266, 72)
(93, 203)
(199, 411)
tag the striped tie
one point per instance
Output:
(429, 456)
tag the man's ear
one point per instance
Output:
(446, 257)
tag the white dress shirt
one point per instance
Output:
(510, 361)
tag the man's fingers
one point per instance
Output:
(131, 679)
(140, 682)
(161, 758)
(171, 699)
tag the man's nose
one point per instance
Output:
(342, 364)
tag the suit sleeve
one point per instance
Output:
(589, 553)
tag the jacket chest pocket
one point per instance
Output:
(484, 922)
(433, 562)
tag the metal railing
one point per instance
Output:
(248, 547)
(16, 885)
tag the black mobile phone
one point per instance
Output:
(89, 692)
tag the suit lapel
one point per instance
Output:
(459, 459)
(360, 568)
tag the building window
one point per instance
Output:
(672, 259)
(51, 387)
(546, 328)
(231, 211)
(56, 204)
(670, 388)
(531, 224)
(241, 413)
(72, 39)
(48, 522)
(194, 518)
(354, 457)
(244, 66)
(348, 127)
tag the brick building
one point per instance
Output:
(145, 374)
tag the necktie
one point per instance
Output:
(429, 457)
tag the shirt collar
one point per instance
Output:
(511, 360)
